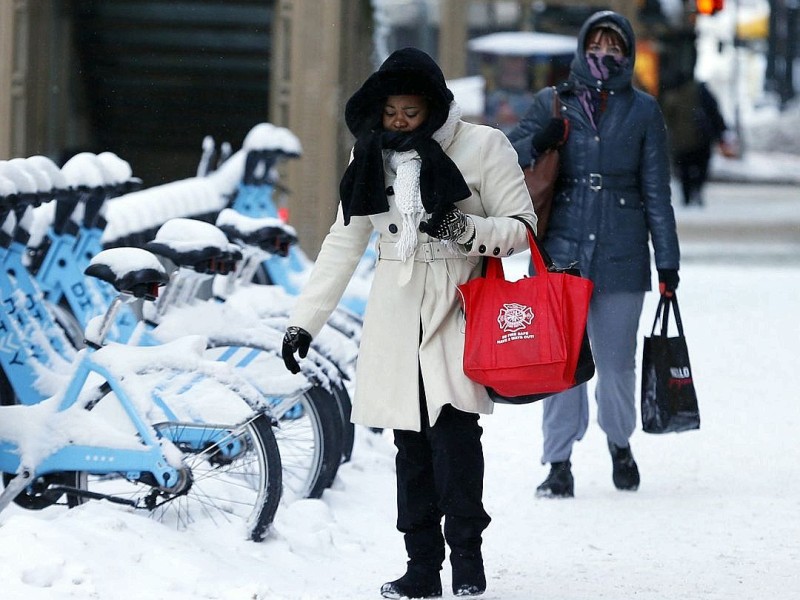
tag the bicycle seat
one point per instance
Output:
(270, 234)
(130, 270)
(195, 244)
(221, 264)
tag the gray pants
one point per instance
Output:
(613, 329)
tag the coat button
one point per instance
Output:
(597, 138)
(482, 249)
(390, 191)
(592, 236)
(496, 251)
(392, 228)
(622, 201)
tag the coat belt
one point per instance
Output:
(599, 181)
(426, 252)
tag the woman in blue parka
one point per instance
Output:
(612, 198)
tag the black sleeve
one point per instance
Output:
(536, 117)
(711, 110)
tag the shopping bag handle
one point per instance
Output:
(541, 260)
(662, 313)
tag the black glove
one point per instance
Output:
(551, 136)
(668, 281)
(452, 225)
(296, 339)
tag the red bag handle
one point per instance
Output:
(494, 266)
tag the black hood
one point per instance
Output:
(407, 71)
(580, 68)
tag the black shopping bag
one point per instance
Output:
(669, 402)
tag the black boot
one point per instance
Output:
(559, 483)
(626, 473)
(469, 578)
(425, 548)
(416, 583)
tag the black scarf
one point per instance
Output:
(362, 189)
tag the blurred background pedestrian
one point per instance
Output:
(695, 126)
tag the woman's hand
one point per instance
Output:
(453, 225)
(668, 281)
(551, 136)
(296, 339)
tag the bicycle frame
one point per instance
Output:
(71, 243)
(143, 454)
(30, 341)
(148, 457)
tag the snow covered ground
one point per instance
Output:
(715, 517)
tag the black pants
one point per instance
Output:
(692, 168)
(440, 474)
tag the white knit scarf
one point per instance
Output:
(407, 195)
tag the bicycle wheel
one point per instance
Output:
(309, 435)
(48, 490)
(309, 431)
(66, 320)
(231, 474)
(234, 475)
(348, 429)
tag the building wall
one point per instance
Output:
(321, 54)
(13, 73)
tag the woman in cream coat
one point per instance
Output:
(441, 192)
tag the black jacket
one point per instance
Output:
(693, 118)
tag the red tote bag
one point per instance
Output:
(524, 337)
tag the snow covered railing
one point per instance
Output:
(130, 215)
(134, 218)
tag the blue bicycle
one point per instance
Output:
(183, 450)
(162, 429)
(310, 438)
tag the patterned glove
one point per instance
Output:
(296, 339)
(668, 281)
(452, 225)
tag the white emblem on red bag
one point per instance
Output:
(514, 317)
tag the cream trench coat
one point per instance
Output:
(413, 320)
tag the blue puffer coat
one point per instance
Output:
(613, 194)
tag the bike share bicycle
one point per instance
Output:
(263, 150)
(309, 433)
(310, 443)
(177, 458)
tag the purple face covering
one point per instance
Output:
(603, 65)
